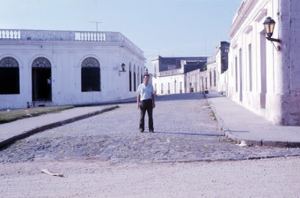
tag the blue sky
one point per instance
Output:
(164, 27)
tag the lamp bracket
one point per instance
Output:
(122, 72)
(274, 40)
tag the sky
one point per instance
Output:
(158, 27)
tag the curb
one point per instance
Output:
(53, 125)
(250, 142)
(262, 142)
(125, 101)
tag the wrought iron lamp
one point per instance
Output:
(269, 27)
(123, 69)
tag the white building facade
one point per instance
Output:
(172, 74)
(264, 76)
(217, 66)
(67, 67)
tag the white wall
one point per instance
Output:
(174, 82)
(266, 80)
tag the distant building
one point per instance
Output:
(66, 67)
(216, 66)
(264, 76)
(170, 73)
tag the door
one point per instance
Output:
(41, 84)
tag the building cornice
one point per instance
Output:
(85, 38)
(241, 15)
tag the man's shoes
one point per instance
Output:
(141, 130)
(151, 130)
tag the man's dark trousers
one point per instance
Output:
(146, 105)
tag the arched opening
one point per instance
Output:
(90, 75)
(134, 78)
(41, 80)
(9, 76)
(130, 88)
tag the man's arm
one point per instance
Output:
(138, 101)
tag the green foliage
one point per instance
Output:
(9, 116)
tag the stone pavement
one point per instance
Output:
(240, 124)
(185, 131)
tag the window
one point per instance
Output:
(241, 74)
(9, 76)
(138, 74)
(180, 87)
(175, 87)
(210, 79)
(215, 78)
(134, 78)
(130, 89)
(236, 76)
(90, 75)
(250, 67)
(142, 75)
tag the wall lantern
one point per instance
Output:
(123, 69)
(269, 28)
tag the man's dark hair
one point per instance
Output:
(145, 75)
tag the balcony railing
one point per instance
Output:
(53, 35)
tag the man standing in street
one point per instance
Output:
(146, 102)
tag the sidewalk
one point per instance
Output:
(12, 131)
(239, 124)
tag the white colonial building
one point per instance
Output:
(170, 74)
(66, 67)
(217, 66)
(264, 76)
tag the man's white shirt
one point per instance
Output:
(145, 91)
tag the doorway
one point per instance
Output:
(41, 84)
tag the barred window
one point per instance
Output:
(9, 76)
(90, 75)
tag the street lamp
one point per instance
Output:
(146, 71)
(123, 69)
(269, 27)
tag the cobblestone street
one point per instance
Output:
(185, 131)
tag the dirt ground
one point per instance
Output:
(93, 178)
